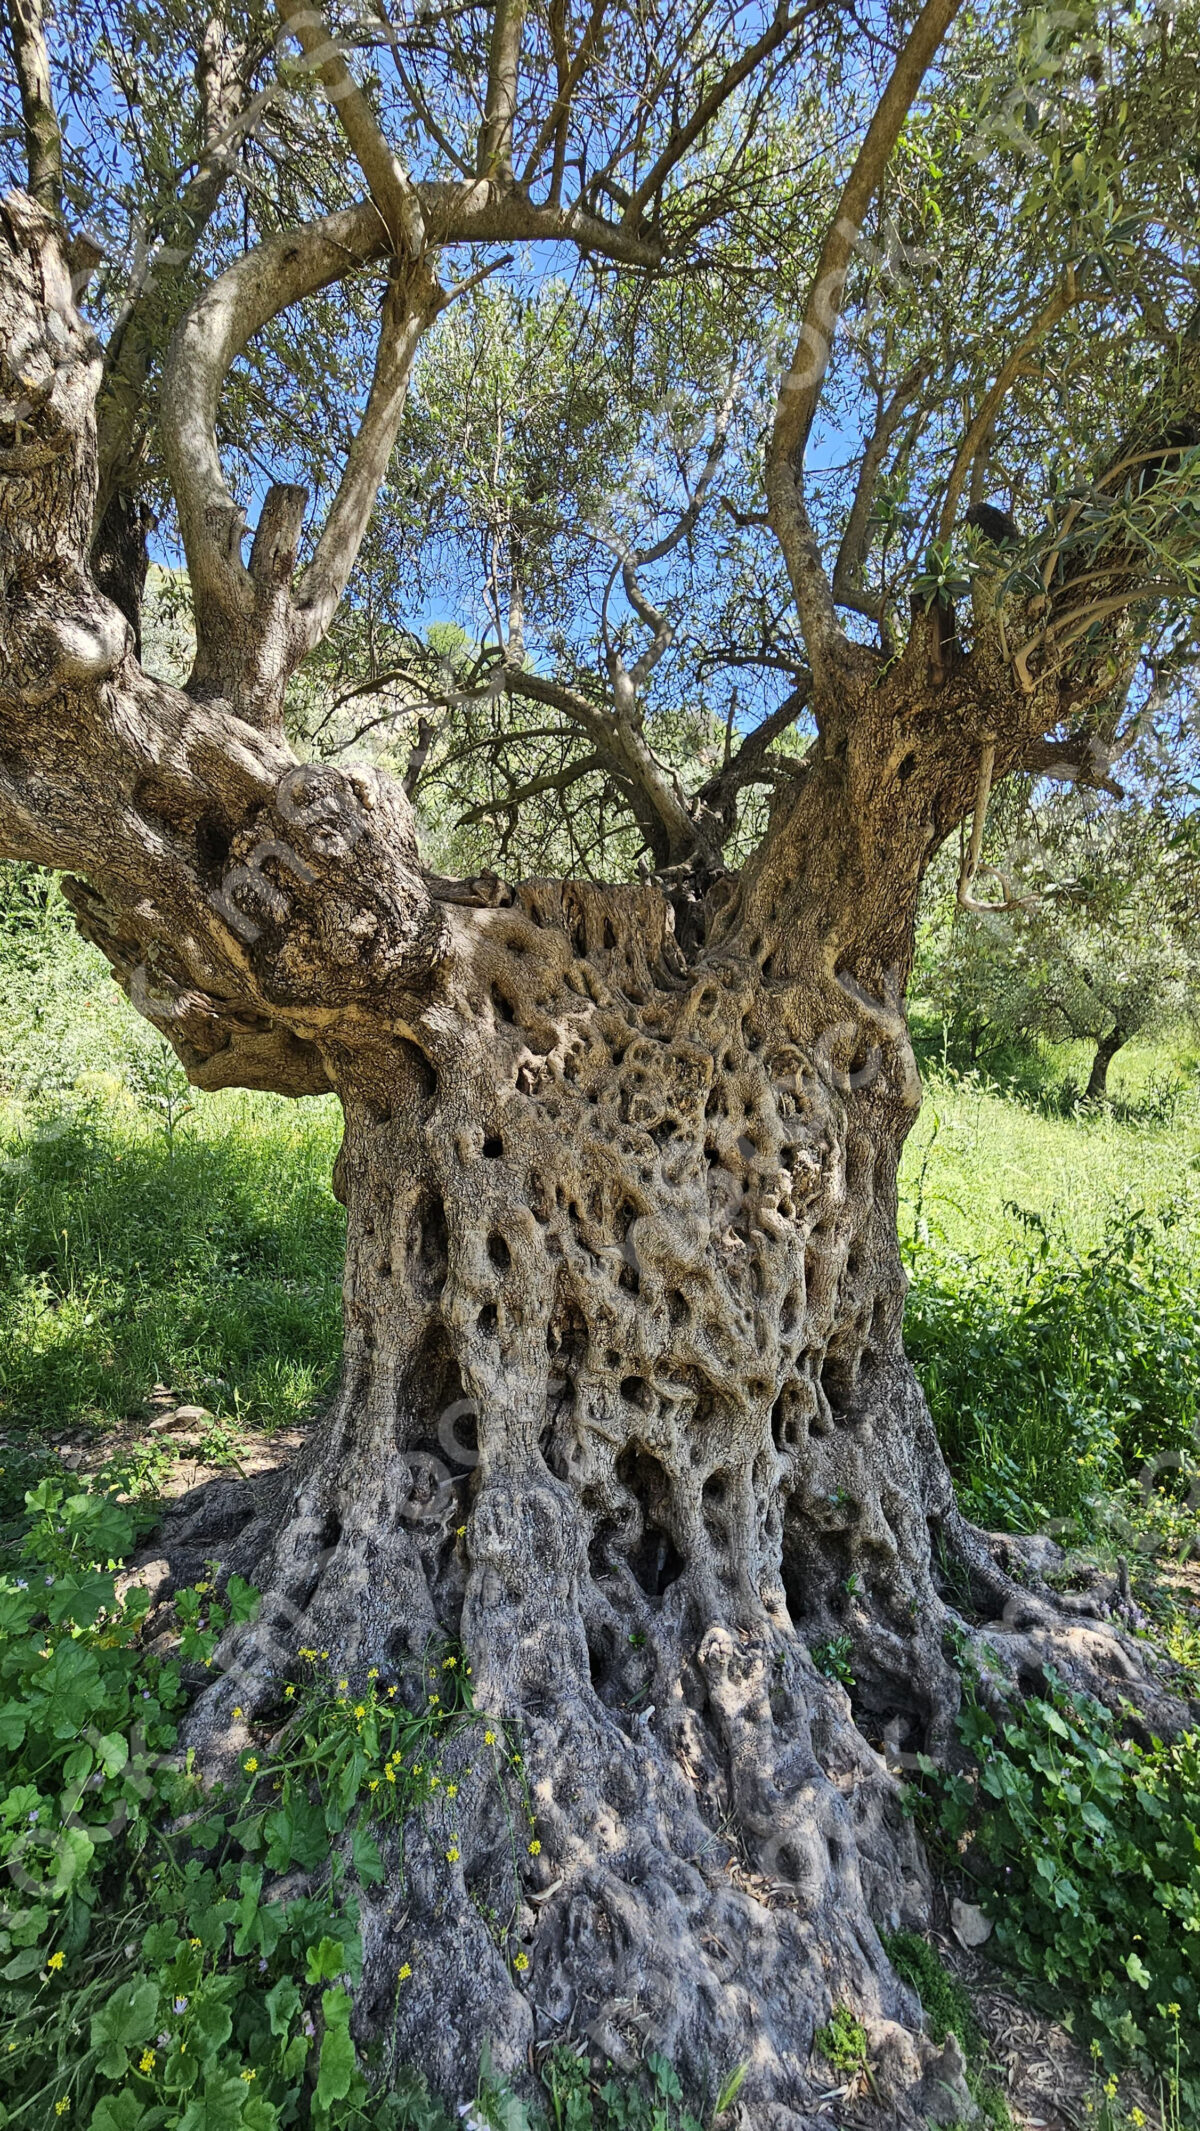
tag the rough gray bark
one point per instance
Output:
(624, 1401)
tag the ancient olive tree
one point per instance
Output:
(624, 1400)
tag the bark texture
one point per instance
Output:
(624, 1401)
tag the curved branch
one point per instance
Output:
(852, 553)
(412, 302)
(800, 392)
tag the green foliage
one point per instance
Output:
(946, 2005)
(134, 1918)
(833, 1658)
(1103, 943)
(577, 2102)
(1064, 1372)
(843, 2041)
(1085, 1847)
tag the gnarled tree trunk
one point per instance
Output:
(624, 1401)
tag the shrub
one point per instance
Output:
(1086, 1849)
(1063, 1373)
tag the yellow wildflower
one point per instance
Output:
(311, 1655)
(489, 1738)
(434, 1782)
(239, 1711)
(251, 1765)
(404, 1973)
(288, 1692)
(452, 1854)
(372, 1672)
(195, 1942)
(452, 1790)
(324, 1656)
(373, 1785)
(521, 1962)
(391, 1693)
(56, 1960)
(360, 1709)
(248, 2076)
(449, 1663)
(390, 1773)
(535, 1848)
(146, 2061)
(435, 1698)
(61, 2107)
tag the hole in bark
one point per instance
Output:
(493, 1148)
(715, 1489)
(837, 1380)
(610, 933)
(677, 1309)
(212, 842)
(781, 1433)
(629, 1280)
(502, 1006)
(431, 1259)
(488, 1320)
(458, 1432)
(907, 766)
(655, 1560)
(638, 1392)
(419, 1068)
(499, 1252)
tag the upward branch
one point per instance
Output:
(43, 140)
(800, 393)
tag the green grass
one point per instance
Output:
(213, 1267)
(1055, 1267)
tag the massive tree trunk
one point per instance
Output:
(624, 1403)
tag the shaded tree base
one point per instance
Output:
(720, 1846)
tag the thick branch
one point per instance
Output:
(392, 190)
(494, 161)
(236, 892)
(43, 140)
(132, 345)
(412, 302)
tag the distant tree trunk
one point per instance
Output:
(1106, 1051)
